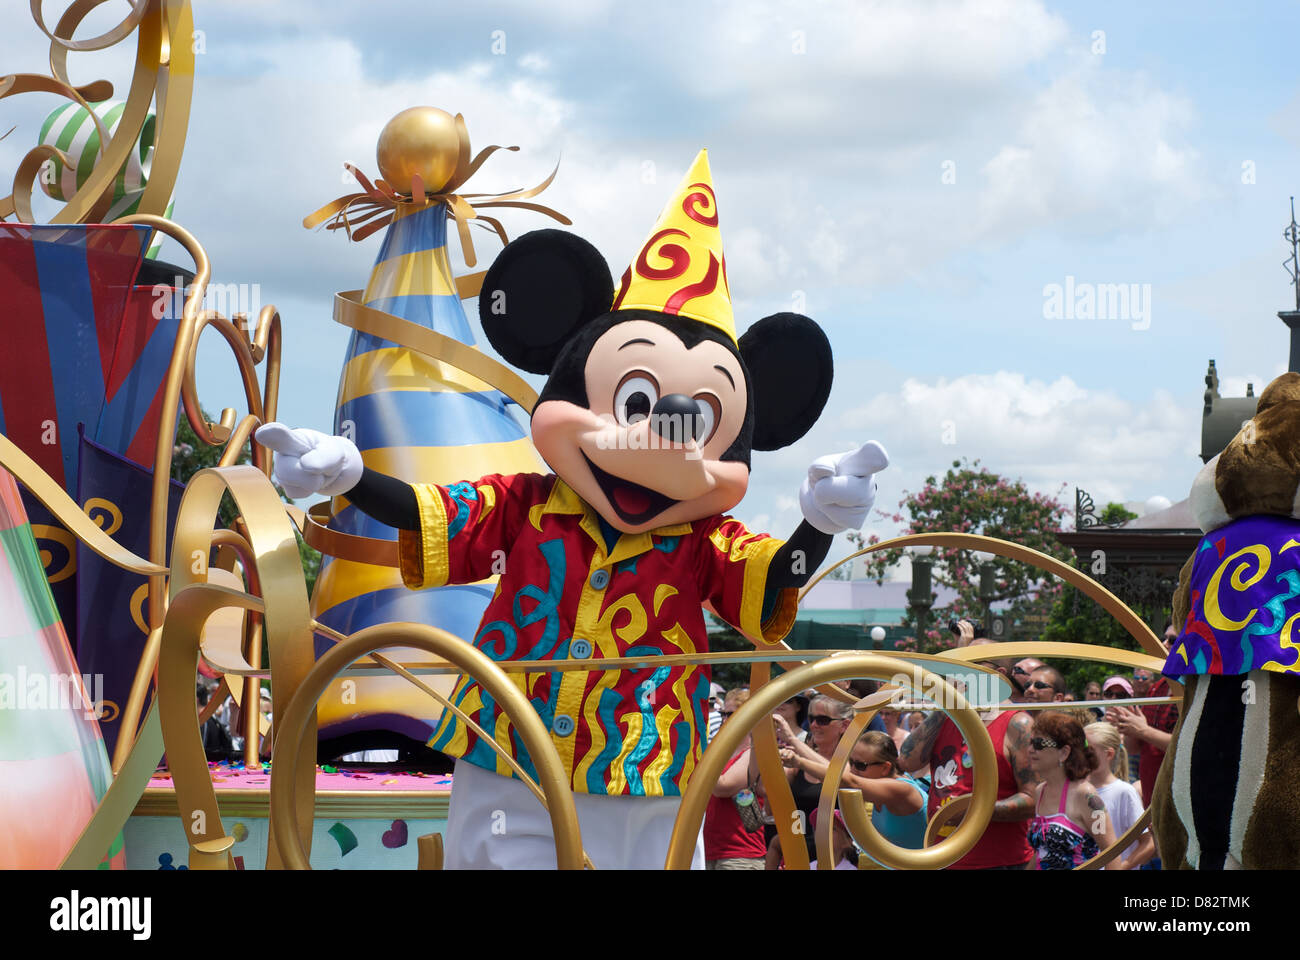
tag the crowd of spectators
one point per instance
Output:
(1071, 780)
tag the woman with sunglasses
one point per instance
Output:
(1080, 827)
(795, 711)
(893, 728)
(898, 800)
(805, 762)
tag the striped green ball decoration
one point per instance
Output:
(70, 129)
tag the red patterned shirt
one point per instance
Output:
(562, 595)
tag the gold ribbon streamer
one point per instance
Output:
(66, 511)
(377, 204)
(349, 311)
(313, 525)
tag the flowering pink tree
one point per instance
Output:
(970, 499)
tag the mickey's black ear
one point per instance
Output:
(540, 290)
(790, 372)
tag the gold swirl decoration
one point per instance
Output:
(297, 730)
(289, 639)
(249, 348)
(424, 149)
(58, 535)
(163, 76)
(757, 710)
(138, 598)
(74, 15)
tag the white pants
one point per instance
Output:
(495, 822)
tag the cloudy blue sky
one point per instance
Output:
(918, 172)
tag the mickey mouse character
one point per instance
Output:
(648, 417)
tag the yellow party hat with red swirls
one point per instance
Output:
(681, 270)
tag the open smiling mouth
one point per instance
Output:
(633, 503)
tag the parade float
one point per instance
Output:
(144, 590)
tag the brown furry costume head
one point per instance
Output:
(1228, 793)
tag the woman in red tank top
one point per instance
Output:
(1004, 844)
(728, 843)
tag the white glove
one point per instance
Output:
(308, 461)
(839, 490)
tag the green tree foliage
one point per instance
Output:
(1115, 514)
(724, 637)
(971, 499)
(1077, 619)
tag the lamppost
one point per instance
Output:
(877, 637)
(988, 582)
(919, 598)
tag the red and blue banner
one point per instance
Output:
(112, 603)
(65, 290)
(87, 347)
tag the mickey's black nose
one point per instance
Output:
(676, 418)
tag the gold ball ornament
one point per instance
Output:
(419, 140)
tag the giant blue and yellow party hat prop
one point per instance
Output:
(412, 416)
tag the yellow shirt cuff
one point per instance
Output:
(782, 617)
(423, 556)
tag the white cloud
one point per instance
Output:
(1098, 150)
(1047, 434)
(828, 166)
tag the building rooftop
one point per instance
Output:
(863, 601)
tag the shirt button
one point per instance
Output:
(580, 649)
(600, 579)
(563, 725)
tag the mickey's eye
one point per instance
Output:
(635, 397)
(710, 414)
